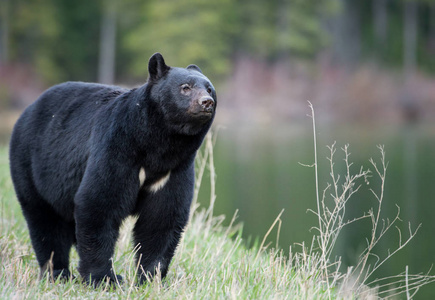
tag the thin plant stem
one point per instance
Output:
(316, 172)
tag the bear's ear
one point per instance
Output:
(157, 67)
(194, 67)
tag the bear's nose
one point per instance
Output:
(207, 103)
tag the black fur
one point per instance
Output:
(75, 157)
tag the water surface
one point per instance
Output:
(259, 173)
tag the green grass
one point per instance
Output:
(212, 261)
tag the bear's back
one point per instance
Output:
(62, 107)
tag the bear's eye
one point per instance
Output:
(185, 87)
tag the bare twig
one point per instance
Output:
(331, 214)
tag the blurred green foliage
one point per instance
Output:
(187, 31)
(60, 39)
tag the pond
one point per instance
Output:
(260, 171)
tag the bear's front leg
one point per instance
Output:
(101, 204)
(162, 217)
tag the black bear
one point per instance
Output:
(85, 156)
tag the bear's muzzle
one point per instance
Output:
(207, 103)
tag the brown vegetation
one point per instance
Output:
(267, 93)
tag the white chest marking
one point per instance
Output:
(142, 176)
(159, 184)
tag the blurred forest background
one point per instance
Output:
(368, 66)
(358, 60)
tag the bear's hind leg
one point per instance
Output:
(52, 237)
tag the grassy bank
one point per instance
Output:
(212, 261)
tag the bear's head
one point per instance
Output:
(185, 96)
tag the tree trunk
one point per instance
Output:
(282, 28)
(432, 28)
(380, 22)
(4, 31)
(106, 68)
(346, 32)
(410, 38)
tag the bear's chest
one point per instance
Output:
(153, 182)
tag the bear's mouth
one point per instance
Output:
(203, 115)
(206, 112)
